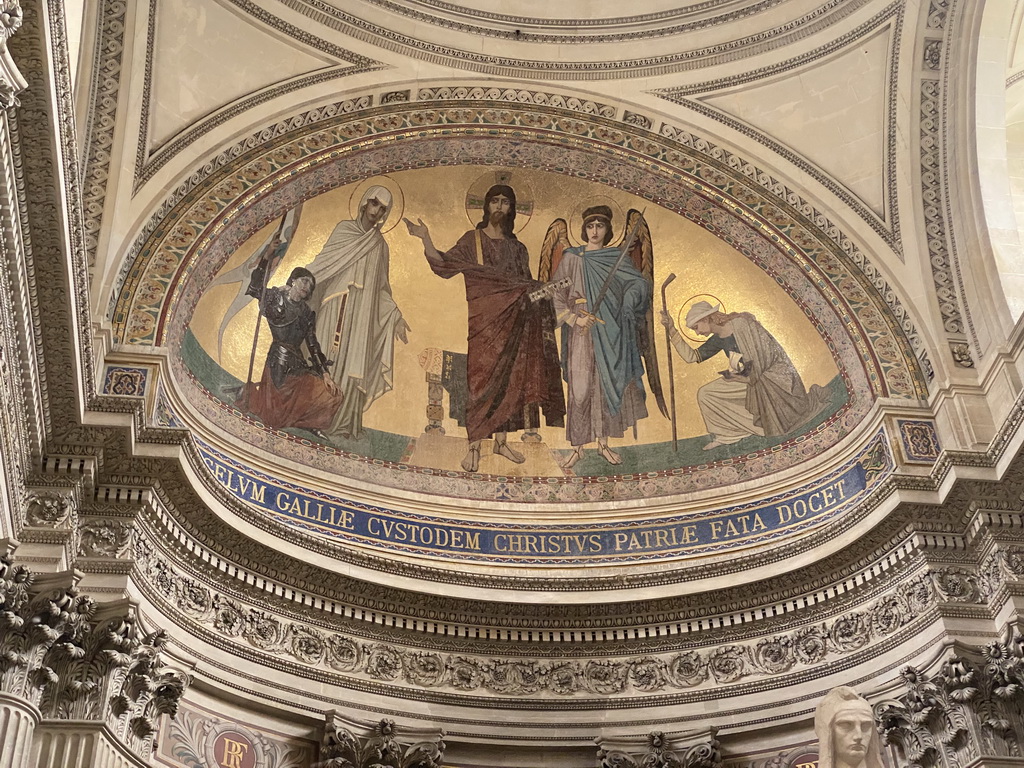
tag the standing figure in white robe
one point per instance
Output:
(357, 318)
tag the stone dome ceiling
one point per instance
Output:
(798, 164)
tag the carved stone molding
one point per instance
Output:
(267, 633)
(822, 17)
(697, 749)
(348, 744)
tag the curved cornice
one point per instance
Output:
(892, 17)
(784, 32)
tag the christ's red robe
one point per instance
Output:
(512, 358)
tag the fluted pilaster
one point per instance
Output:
(18, 721)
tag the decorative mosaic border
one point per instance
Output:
(672, 146)
(857, 334)
(691, 534)
(532, 125)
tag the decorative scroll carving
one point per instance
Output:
(341, 748)
(11, 81)
(104, 538)
(380, 661)
(698, 749)
(974, 706)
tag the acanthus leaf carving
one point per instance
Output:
(381, 746)
(975, 704)
(696, 749)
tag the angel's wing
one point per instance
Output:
(555, 242)
(243, 272)
(641, 253)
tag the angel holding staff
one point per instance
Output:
(602, 300)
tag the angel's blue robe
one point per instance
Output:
(615, 354)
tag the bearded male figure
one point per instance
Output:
(357, 318)
(513, 369)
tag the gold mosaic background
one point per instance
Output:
(436, 308)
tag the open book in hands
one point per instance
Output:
(737, 367)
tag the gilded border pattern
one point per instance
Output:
(736, 195)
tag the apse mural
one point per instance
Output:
(479, 322)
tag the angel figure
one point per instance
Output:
(602, 300)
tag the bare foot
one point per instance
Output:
(575, 456)
(713, 444)
(503, 449)
(472, 461)
(608, 454)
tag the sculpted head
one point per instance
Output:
(374, 207)
(845, 727)
(500, 209)
(597, 225)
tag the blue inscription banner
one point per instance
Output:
(686, 534)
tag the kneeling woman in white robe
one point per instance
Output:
(760, 393)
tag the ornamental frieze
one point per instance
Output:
(248, 629)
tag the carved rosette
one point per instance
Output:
(973, 707)
(379, 745)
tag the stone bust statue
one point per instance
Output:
(845, 727)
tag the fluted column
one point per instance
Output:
(18, 721)
(81, 745)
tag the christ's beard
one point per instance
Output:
(497, 218)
